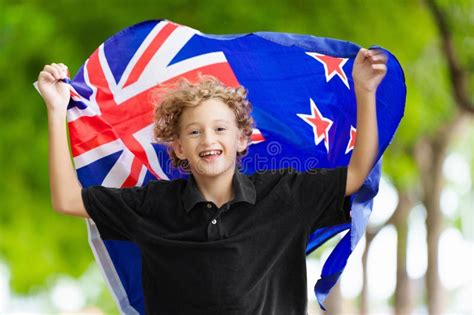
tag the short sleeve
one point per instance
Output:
(320, 196)
(115, 211)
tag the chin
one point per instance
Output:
(213, 169)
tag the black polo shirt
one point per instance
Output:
(247, 257)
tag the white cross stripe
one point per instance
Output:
(157, 71)
(120, 171)
(141, 177)
(109, 76)
(145, 137)
(144, 45)
(98, 153)
(92, 108)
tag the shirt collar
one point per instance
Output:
(244, 191)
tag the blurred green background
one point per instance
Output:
(428, 166)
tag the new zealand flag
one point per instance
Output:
(304, 108)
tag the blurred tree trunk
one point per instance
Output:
(431, 153)
(403, 303)
(364, 295)
(369, 237)
(430, 156)
(334, 302)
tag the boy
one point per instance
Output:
(220, 242)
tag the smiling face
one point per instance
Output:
(209, 138)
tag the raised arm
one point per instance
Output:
(368, 71)
(65, 188)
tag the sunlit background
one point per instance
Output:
(46, 265)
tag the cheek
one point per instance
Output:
(182, 147)
(190, 145)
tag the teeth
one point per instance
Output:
(208, 153)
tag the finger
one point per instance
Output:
(378, 54)
(53, 71)
(61, 66)
(45, 75)
(59, 73)
(66, 70)
(61, 69)
(378, 59)
(379, 67)
(56, 66)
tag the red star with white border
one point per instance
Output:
(332, 66)
(320, 124)
(352, 140)
(256, 137)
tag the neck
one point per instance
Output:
(217, 189)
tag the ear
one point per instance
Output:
(178, 149)
(242, 142)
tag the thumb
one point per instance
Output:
(361, 55)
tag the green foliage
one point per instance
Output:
(37, 242)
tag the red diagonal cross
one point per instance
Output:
(123, 120)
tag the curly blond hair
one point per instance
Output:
(170, 101)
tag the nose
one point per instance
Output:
(207, 137)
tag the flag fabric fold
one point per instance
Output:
(304, 108)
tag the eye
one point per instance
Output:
(194, 132)
(221, 129)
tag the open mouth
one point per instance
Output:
(210, 154)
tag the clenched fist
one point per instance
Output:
(55, 93)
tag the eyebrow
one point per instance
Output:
(216, 120)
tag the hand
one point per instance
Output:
(370, 67)
(55, 93)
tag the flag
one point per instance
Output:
(304, 108)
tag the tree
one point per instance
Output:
(431, 151)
